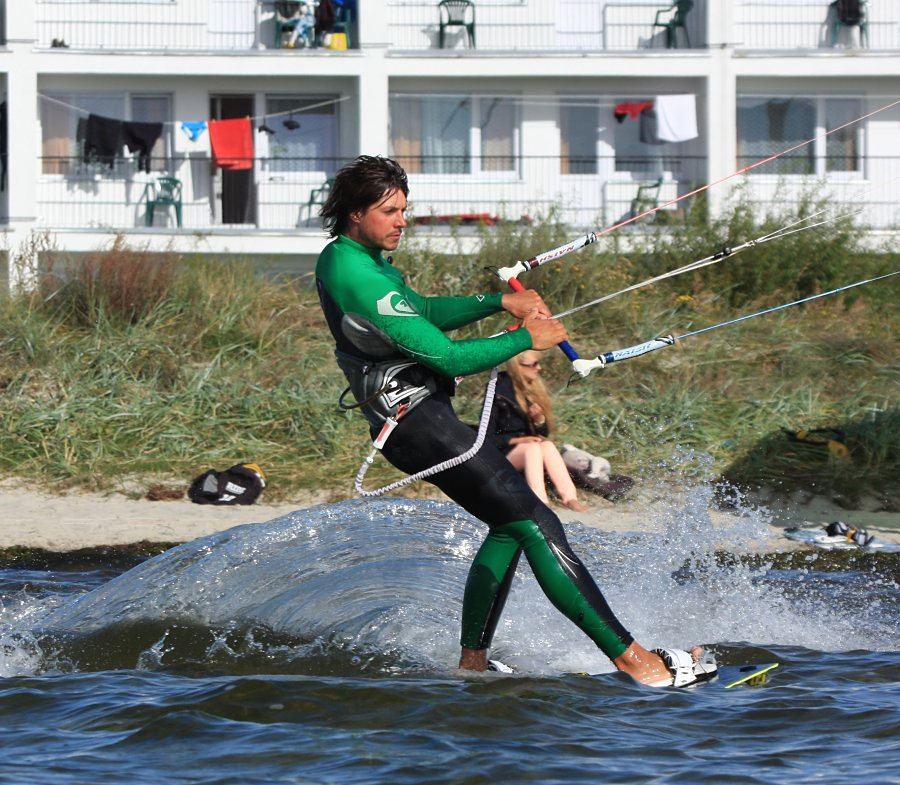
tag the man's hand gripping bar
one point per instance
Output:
(581, 367)
(510, 276)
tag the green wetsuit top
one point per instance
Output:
(359, 281)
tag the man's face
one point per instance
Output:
(382, 224)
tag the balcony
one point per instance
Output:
(778, 25)
(167, 25)
(502, 26)
(611, 26)
(78, 196)
(558, 27)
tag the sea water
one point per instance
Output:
(320, 648)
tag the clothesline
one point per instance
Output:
(569, 101)
(297, 110)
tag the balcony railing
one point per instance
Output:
(164, 25)
(811, 24)
(628, 25)
(501, 26)
(551, 27)
(72, 194)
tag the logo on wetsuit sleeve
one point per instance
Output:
(394, 304)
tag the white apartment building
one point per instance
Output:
(541, 105)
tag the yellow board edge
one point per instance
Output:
(755, 678)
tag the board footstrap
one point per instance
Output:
(685, 670)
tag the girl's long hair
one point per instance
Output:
(528, 392)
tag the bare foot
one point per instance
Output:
(473, 660)
(575, 505)
(647, 667)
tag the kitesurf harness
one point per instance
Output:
(387, 389)
(386, 386)
(384, 383)
(382, 389)
(391, 423)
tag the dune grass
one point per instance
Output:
(156, 366)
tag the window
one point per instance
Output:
(304, 134)
(62, 127)
(454, 134)
(579, 124)
(843, 151)
(64, 117)
(496, 122)
(766, 126)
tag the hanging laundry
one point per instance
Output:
(102, 140)
(676, 118)
(649, 126)
(194, 131)
(630, 109)
(140, 138)
(231, 142)
(193, 141)
(261, 145)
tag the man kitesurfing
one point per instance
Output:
(400, 366)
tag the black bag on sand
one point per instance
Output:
(240, 484)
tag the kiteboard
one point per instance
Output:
(729, 676)
(725, 676)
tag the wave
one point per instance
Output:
(375, 587)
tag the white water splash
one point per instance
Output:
(386, 577)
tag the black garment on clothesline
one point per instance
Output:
(102, 140)
(140, 138)
(649, 126)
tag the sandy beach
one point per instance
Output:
(33, 518)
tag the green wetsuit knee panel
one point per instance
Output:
(569, 586)
(487, 588)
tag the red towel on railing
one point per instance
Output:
(231, 142)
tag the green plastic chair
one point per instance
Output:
(681, 9)
(286, 12)
(163, 192)
(456, 13)
(863, 24)
(317, 197)
(647, 198)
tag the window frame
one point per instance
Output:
(477, 103)
(325, 163)
(819, 153)
(574, 103)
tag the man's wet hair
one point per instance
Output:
(357, 186)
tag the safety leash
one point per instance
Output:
(391, 423)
